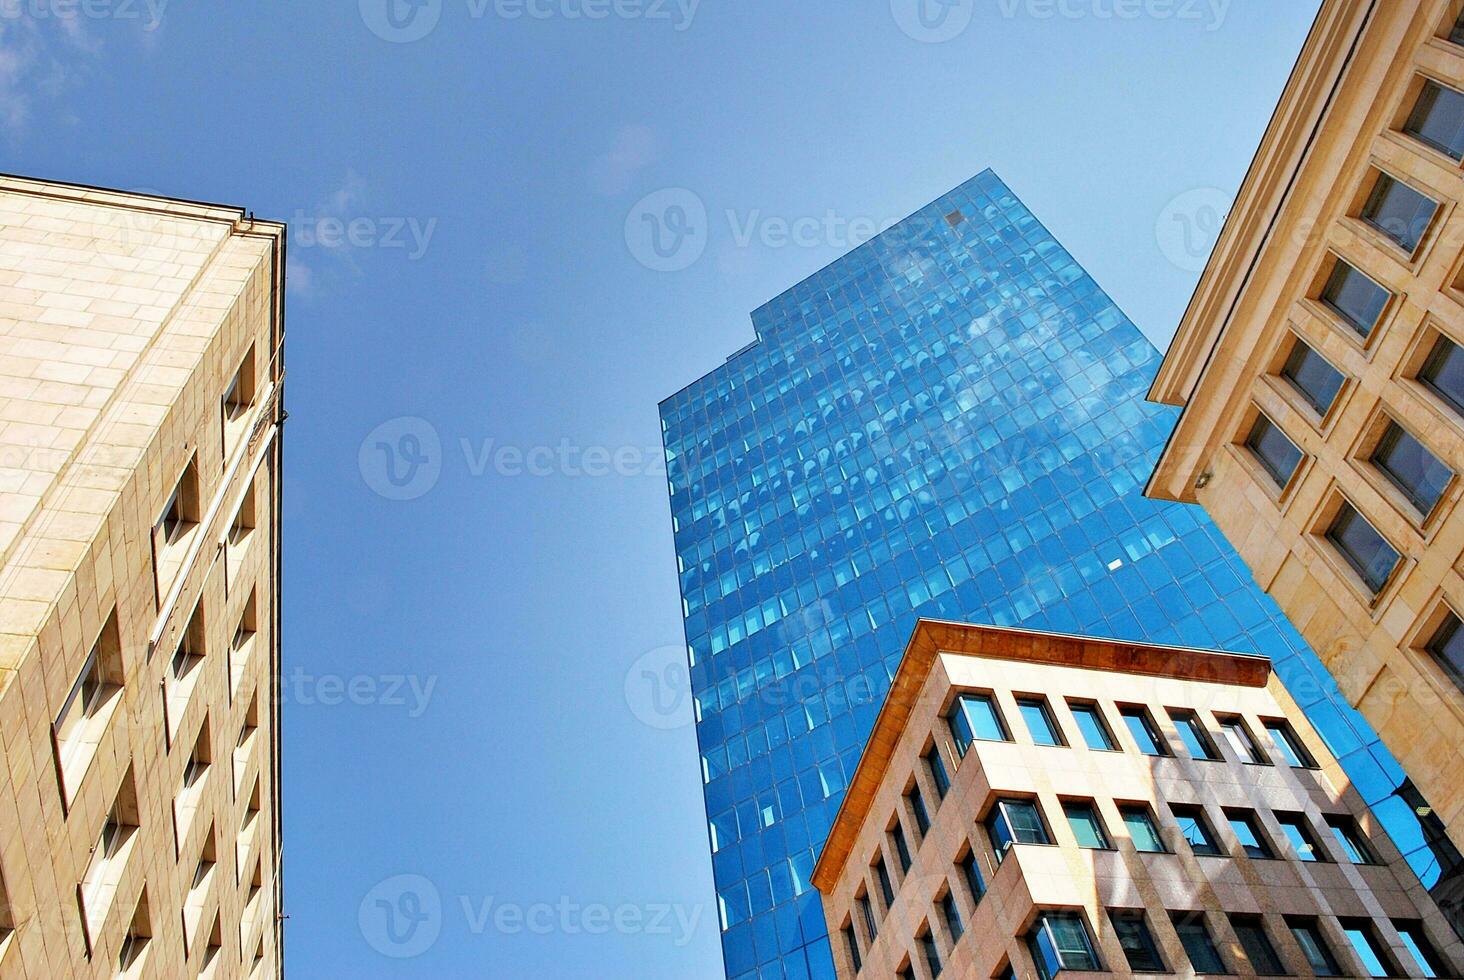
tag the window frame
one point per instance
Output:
(997, 817)
(1038, 703)
(1105, 841)
(957, 710)
(1264, 847)
(1255, 926)
(1297, 822)
(1119, 918)
(1140, 714)
(1332, 534)
(1288, 742)
(1187, 719)
(1194, 921)
(1272, 468)
(1196, 813)
(1145, 813)
(1093, 711)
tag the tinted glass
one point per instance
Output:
(1195, 830)
(1314, 377)
(917, 806)
(1364, 548)
(1070, 937)
(1039, 721)
(1456, 32)
(1444, 372)
(1365, 944)
(1090, 723)
(1141, 727)
(1192, 733)
(852, 944)
(1277, 454)
(972, 874)
(1248, 831)
(1447, 648)
(952, 917)
(1198, 945)
(1429, 963)
(1142, 830)
(1355, 297)
(1300, 835)
(866, 912)
(1438, 119)
(1087, 828)
(976, 717)
(1137, 942)
(902, 848)
(1314, 948)
(1351, 840)
(887, 890)
(1258, 948)
(1026, 822)
(1399, 212)
(1289, 743)
(1420, 474)
(932, 953)
(938, 774)
(1241, 742)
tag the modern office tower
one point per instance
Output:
(1037, 802)
(140, 411)
(1322, 380)
(947, 422)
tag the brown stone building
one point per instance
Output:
(1322, 380)
(1032, 802)
(140, 410)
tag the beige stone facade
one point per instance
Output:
(1116, 840)
(1344, 251)
(140, 410)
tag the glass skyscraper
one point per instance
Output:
(947, 422)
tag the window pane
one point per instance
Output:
(981, 718)
(1039, 722)
(1090, 723)
(1295, 828)
(1258, 948)
(952, 917)
(866, 911)
(1239, 737)
(1444, 372)
(1364, 548)
(1430, 964)
(1399, 212)
(1316, 379)
(1438, 119)
(1447, 648)
(1368, 949)
(1456, 33)
(1248, 832)
(972, 874)
(1070, 937)
(853, 946)
(1137, 942)
(1087, 828)
(922, 817)
(1355, 297)
(938, 773)
(932, 954)
(1314, 948)
(1351, 840)
(1142, 830)
(1142, 728)
(1289, 743)
(1420, 474)
(1192, 733)
(1192, 825)
(886, 890)
(1198, 945)
(902, 849)
(1025, 822)
(1276, 453)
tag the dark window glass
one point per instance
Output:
(1290, 744)
(1363, 547)
(1007, 973)
(1410, 467)
(917, 804)
(1354, 297)
(1277, 454)
(1314, 947)
(1141, 828)
(1138, 943)
(1199, 946)
(1238, 734)
(1429, 962)
(938, 774)
(902, 848)
(1298, 831)
(886, 890)
(1437, 119)
(1090, 722)
(1447, 648)
(1313, 376)
(1195, 829)
(1365, 943)
(1257, 946)
(906, 972)
(1039, 721)
(1248, 831)
(932, 954)
(1192, 733)
(1087, 827)
(1142, 728)
(972, 874)
(852, 942)
(1015, 822)
(1399, 211)
(866, 911)
(1060, 941)
(952, 917)
(975, 716)
(1444, 372)
(1456, 33)
(1351, 839)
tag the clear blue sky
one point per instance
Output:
(531, 766)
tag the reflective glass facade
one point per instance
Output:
(947, 422)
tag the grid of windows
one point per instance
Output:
(947, 422)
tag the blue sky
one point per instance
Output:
(472, 644)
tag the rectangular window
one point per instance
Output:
(88, 708)
(1443, 373)
(1082, 817)
(1369, 948)
(1257, 945)
(938, 774)
(1437, 120)
(1060, 941)
(1284, 737)
(1142, 829)
(1090, 722)
(917, 806)
(1198, 944)
(1298, 831)
(1238, 734)
(972, 874)
(1456, 32)
(1354, 297)
(932, 954)
(952, 917)
(1446, 647)
(1192, 733)
(1399, 212)
(866, 912)
(1136, 940)
(1424, 955)
(851, 942)
(1015, 822)
(1319, 956)
(1195, 829)
(1312, 375)
(975, 716)
(886, 889)
(1247, 829)
(1351, 839)
(1039, 721)
(1411, 468)
(1367, 551)
(1277, 454)
(1146, 734)
(902, 848)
